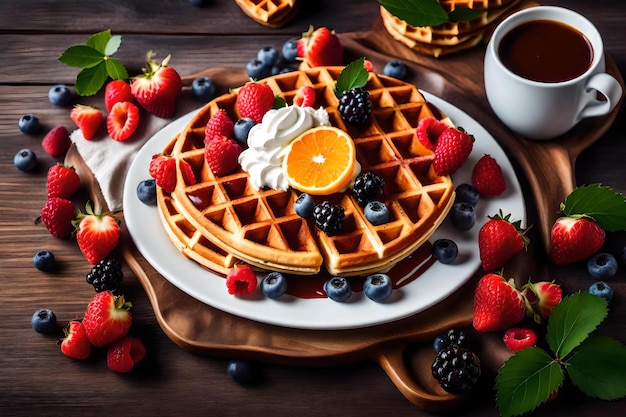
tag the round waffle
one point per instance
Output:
(261, 228)
(272, 13)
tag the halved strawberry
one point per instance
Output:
(320, 47)
(75, 344)
(107, 318)
(87, 118)
(97, 234)
(157, 89)
(116, 91)
(123, 120)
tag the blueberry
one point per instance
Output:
(274, 285)
(25, 160)
(445, 250)
(146, 192)
(378, 287)
(203, 88)
(376, 213)
(256, 69)
(29, 123)
(44, 260)
(241, 130)
(338, 289)
(290, 50)
(60, 95)
(304, 205)
(462, 216)
(268, 55)
(601, 289)
(466, 193)
(241, 371)
(602, 266)
(44, 321)
(395, 69)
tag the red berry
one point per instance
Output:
(116, 91)
(428, 131)
(88, 119)
(320, 47)
(368, 65)
(123, 120)
(97, 234)
(499, 240)
(157, 89)
(254, 100)
(107, 318)
(498, 305)
(453, 148)
(163, 169)
(574, 239)
(57, 215)
(541, 297)
(62, 181)
(57, 141)
(487, 177)
(222, 155)
(518, 338)
(219, 125)
(123, 355)
(305, 96)
(75, 344)
(241, 281)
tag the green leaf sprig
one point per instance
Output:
(95, 60)
(354, 75)
(594, 364)
(427, 12)
(605, 206)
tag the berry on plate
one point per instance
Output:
(254, 100)
(242, 129)
(574, 239)
(304, 205)
(44, 321)
(274, 285)
(428, 130)
(487, 177)
(338, 289)
(540, 299)
(329, 217)
(499, 240)
(376, 213)
(106, 275)
(601, 289)
(518, 338)
(445, 250)
(25, 160)
(62, 181)
(241, 280)
(29, 124)
(116, 91)
(498, 304)
(163, 169)
(157, 89)
(60, 95)
(219, 125)
(75, 344)
(602, 266)
(368, 186)
(57, 141)
(107, 318)
(222, 155)
(57, 215)
(146, 191)
(88, 119)
(378, 287)
(453, 148)
(462, 216)
(355, 107)
(123, 355)
(305, 96)
(97, 234)
(122, 120)
(466, 193)
(44, 260)
(320, 47)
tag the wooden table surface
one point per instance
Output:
(36, 379)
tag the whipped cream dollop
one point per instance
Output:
(268, 142)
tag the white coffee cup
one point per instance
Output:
(545, 110)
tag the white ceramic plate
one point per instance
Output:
(437, 283)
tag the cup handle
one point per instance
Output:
(609, 87)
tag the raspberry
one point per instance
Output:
(123, 355)
(57, 141)
(518, 338)
(105, 275)
(254, 100)
(305, 96)
(163, 169)
(355, 107)
(219, 125)
(428, 131)
(222, 155)
(368, 186)
(456, 369)
(241, 281)
(328, 217)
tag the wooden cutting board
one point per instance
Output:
(402, 348)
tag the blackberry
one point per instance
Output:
(106, 275)
(355, 107)
(368, 186)
(451, 337)
(456, 369)
(328, 217)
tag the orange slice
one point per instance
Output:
(320, 161)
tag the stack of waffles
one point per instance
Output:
(221, 221)
(449, 37)
(272, 13)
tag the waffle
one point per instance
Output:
(261, 228)
(272, 13)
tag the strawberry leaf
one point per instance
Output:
(113, 45)
(598, 368)
(526, 380)
(90, 80)
(81, 56)
(605, 206)
(416, 12)
(354, 75)
(99, 41)
(115, 69)
(572, 320)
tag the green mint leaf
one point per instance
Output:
(526, 380)
(572, 320)
(598, 368)
(416, 12)
(354, 75)
(113, 45)
(81, 56)
(462, 14)
(99, 41)
(605, 206)
(90, 80)
(279, 102)
(115, 69)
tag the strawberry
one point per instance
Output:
(574, 239)
(241, 281)
(428, 130)
(163, 169)
(320, 47)
(107, 318)
(368, 65)
(499, 240)
(57, 215)
(222, 155)
(157, 89)
(219, 125)
(123, 355)
(75, 344)
(87, 118)
(97, 234)
(123, 120)
(57, 141)
(518, 338)
(116, 91)
(305, 96)
(453, 148)
(487, 177)
(540, 298)
(254, 100)
(62, 181)
(498, 305)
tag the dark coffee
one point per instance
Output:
(546, 51)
